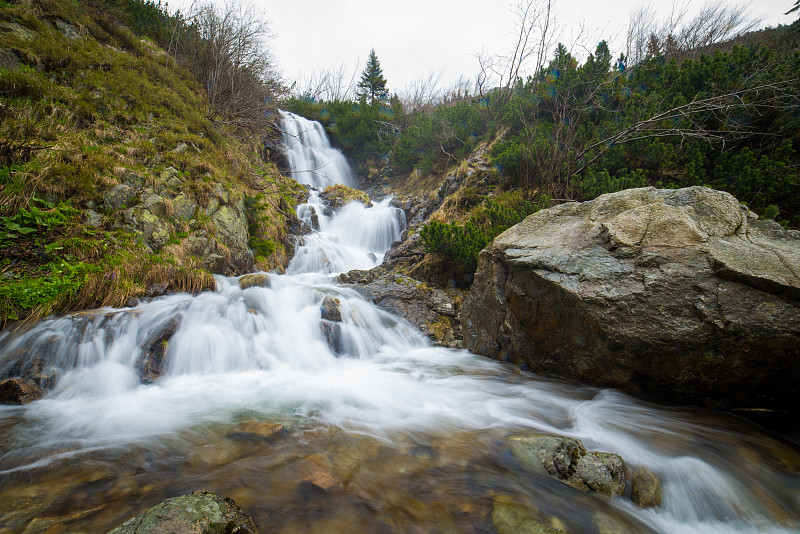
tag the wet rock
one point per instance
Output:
(322, 480)
(297, 227)
(646, 489)
(338, 195)
(314, 219)
(199, 512)
(357, 276)
(255, 431)
(510, 517)
(566, 459)
(330, 310)
(254, 280)
(150, 363)
(332, 332)
(119, 196)
(19, 391)
(430, 310)
(677, 294)
(183, 207)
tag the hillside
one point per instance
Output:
(115, 183)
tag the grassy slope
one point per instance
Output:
(76, 115)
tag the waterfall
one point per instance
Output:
(360, 391)
(312, 160)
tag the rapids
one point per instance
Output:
(409, 435)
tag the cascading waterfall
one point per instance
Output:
(312, 160)
(404, 426)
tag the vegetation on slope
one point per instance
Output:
(87, 105)
(726, 117)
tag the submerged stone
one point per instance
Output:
(646, 489)
(198, 513)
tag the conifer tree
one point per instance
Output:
(372, 86)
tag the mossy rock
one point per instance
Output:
(198, 513)
(339, 195)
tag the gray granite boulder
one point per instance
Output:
(677, 294)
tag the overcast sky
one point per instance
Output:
(415, 37)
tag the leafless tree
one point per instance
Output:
(226, 47)
(331, 84)
(533, 39)
(422, 94)
(681, 37)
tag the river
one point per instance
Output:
(316, 425)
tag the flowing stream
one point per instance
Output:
(312, 425)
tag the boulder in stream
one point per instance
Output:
(19, 391)
(682, 295)
(567, 460)
(200, 512)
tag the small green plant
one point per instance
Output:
(461, 244)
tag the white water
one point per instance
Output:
(262, 351)
(311, 159)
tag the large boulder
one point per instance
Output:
(677, 294)
(199, 512)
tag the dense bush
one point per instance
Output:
(461, 243)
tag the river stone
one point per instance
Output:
(677, 294)
(431, 310)
(646, 489)
(183, 207)
(332, 332)
(254, 280)
(567, 460)
(510, 517)
(330, 310)
(119, 196)
(19, 391)
(256, 431)
(150, 363)
(200, 512)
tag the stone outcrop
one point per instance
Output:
(198, 512)
(433, 311)
(679, 294)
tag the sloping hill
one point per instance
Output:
(114, 183)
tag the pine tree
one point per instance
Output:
(372, 86)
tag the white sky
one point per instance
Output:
(415, 37)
